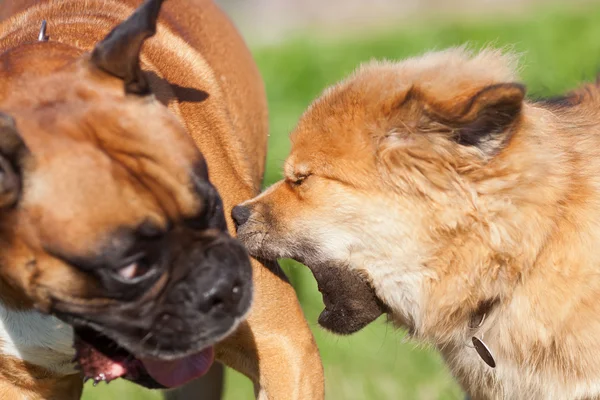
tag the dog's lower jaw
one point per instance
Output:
(353, 296)
(344, 313)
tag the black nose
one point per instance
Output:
(240, 215)
(224, 296)
(224, 279)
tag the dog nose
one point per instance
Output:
(240, 215)
(223, 280)
(224, 296)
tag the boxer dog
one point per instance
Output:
(113, 236)
(432, 190)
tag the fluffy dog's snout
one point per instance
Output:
(240, 215)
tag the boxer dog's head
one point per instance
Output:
(108, 219)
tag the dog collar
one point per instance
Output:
(42, 37)
(477, 320)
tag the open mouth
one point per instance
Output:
(102, 359)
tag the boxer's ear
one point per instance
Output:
(12, 153)
(119, 53)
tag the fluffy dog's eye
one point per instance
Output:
(299, 179)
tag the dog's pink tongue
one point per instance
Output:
(178, 372)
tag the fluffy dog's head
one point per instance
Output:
(109, 220)
(396, 184)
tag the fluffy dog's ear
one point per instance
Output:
(119, 53)
(12, 152)
(485, 119)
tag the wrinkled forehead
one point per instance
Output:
(93, 172)
(79, 190)
(81, 103)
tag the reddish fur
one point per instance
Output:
(196, 47)
(438, 227)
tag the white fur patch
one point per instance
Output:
(38, 339)
(382, 245)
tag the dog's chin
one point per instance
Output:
(350, 301)
(102, 359)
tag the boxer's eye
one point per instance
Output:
(135, 269)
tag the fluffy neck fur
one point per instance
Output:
(530, 242)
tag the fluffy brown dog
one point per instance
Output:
(433, 191)
(109, 220)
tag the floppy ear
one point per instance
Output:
(119, 53)
(12, 152)
(485, 119)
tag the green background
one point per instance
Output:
(560, 49)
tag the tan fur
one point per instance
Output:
(21, 380)
(195, 49)
(376, 183)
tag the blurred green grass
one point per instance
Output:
(561, 49)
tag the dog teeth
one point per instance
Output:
(101, 377)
